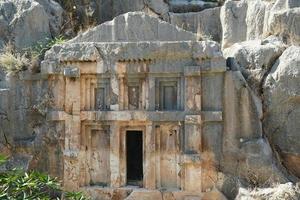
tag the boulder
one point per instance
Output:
(30, 25)
(287, 191)
(183, 6)
(243, 20)
(285, 23)
(257, 19)
(206, 23)
(254, 59)
(281, 94)
(258, 165)
(27, 22)
(55, 15)
(285, 4)
(91, 12)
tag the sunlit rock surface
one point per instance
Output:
(210, 119)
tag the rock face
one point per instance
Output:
(238, 22)
(229, 124)
(254, 59)
(281, 100)
(131, 26)
(206, 24)
(286, 191)
(97, 12)
(270, 70)
(285, 23)
(246, 153)
(183, 6)
(27, 22)
(279, 19)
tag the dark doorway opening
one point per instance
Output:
(134, 155)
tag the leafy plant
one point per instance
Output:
(16, 184)
(75, 196)
(41, 48)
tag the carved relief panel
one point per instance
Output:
(102, 94)
(99, 157)
(168, 137)
(87, 92)
(95, 93)
(132, 93)
(167, 94)
(95, 140)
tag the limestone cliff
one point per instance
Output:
(249, 111)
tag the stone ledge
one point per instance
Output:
(158, 116)
(26, 76)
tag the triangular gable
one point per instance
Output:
(134, 27)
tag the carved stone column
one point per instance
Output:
(72, 133)
(149, 166)
(115, 155)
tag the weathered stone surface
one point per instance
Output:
(281, 101)
(228, 184)
(285, 4)
(5, 137)
(99, 11)
(158, 6)
(131, 27)
(99, 193)
(239, 24)
(206, 23)
(258, 162)
(87, 86)
(120, 51)
(145, 195)
(182, 6)
(28, 22)
(245, 153)
(55, 15)
(96, 103)
(254, 59)
(285, 23)
(287, 191)
(243, 112)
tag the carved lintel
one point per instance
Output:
(72, 72)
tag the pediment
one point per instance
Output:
(134, 27)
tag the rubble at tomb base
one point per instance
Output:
(147, 106)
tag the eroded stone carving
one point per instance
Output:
(144, 83)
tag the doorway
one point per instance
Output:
(134, 157)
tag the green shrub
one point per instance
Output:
(16, 184)
(41, 48)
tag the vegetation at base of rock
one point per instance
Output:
(12, 61)
(16, 184)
